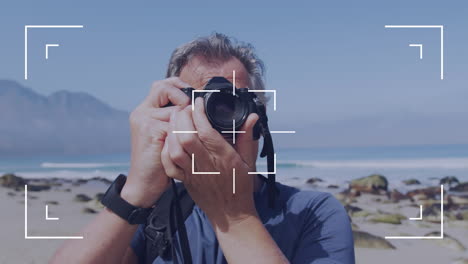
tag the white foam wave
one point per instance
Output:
(68, 174)
(81, 165)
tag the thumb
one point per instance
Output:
(245, 145)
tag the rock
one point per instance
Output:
(393, 219)
(103, 180)
(457, 200)
(462, 216)
(411, 182)
(38, 188)
(95, 205)
(67, 190)
(79, 182)
(366, 240)
(51, 202)
(98, 196)
(431, 213)
(354, 193)
(374, 183)
(82, 198)
(461, 187)
(314, 180)
(11, 194)
(395, 196)
(449, 180)
(333, 186)
(448, 241)
(87, 210)
(347, 196)
(430, 192)
(10, 180)
(351, 209)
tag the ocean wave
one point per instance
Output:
(81, 165)
(440, 163)
(69, 174)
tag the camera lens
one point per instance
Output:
(222, 108)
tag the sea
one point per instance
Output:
(333, 165)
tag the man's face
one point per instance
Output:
(198, 71)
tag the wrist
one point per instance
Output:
(237, 225)
(232, 216)
(140, 196)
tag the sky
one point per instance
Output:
(342, 78)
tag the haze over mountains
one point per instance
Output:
(77, 123)
(62, 123)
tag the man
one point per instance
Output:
(303, 226)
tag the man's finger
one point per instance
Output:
(245, 145)
(168, 91)
(210, 138)
(190, 142)
(170, 168)
(162, 114)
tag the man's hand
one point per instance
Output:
(239, 230)
(149, 124)
(212, 153)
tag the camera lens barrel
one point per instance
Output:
(226, 111)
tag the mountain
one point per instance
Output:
(61, 123)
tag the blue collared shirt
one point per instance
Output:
(308, 227)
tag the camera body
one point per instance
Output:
(226, 107)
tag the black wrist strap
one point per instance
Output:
(114, 202)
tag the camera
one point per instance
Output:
(226, 107)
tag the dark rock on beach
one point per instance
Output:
(10, 180)
(352, 209)
(99, 196)
(430, 192)
(461, 187)
(432, 213)
(457, 200)
(83, 198)
(79, 182)
(314, 180)
(449, 180)
(103, 180)
(411, 182)
(374, 183)
(347, 196)
(38, 188)
(88, 210)
(366, 240)
(395, 196)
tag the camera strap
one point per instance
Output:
(268, 151)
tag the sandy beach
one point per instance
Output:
(374, 216)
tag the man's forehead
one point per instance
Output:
(198, 71)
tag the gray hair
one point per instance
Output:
(218, 46)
